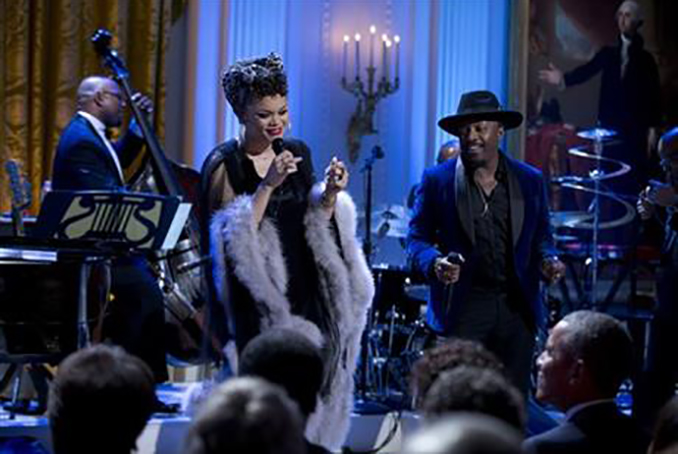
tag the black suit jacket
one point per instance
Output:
(83, 162)
(598, 429)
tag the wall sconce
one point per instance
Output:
(361, 122)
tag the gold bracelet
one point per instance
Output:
(328, 201)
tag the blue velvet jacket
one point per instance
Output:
(443, 223)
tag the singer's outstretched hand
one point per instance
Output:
(336, 176)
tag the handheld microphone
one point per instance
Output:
(456, 258)
(278, 146)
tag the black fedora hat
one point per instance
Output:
(480, 105)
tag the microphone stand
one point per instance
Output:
(365, 355)
(377, 153)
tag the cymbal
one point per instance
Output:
(597, 133)
(391, 212)
(569, 219)
(396, 228)
(564, 238)
(391, 220)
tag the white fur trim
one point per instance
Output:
(350, 284)
(344, 277)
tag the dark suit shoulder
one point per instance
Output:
(566, 438)
(441, 173)
(79, 131)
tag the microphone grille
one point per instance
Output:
(278, 145)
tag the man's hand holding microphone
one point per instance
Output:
(448, 268)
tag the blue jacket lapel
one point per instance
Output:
(517, 202)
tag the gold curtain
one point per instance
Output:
(45, 51)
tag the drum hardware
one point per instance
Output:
(391, 221)
(591, 218)
(394, 333)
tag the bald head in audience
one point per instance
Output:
(465, 433)
(247, 415)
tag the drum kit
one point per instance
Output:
(396, 336)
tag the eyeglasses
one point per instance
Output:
(112, 93)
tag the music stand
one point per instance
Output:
(126, 221)
(81, 229)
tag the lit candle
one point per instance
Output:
(357, 56)
(373, 31)
(344, 63)
(388, 61)
(384, 73)
(396, 38)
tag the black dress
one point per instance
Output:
(286, 209)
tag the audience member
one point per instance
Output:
(448, 150)
(665, 436)
(247, 415)
(476, 390)
(465, 434)
(587, 356)
(453, 352)
(100, 401)
(289, 360)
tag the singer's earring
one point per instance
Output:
(241, 132)
(289, 126)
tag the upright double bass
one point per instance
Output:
(183, 272)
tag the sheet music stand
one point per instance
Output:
(130, 220)
(126, 221)
(82, 229)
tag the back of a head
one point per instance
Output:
(100, 401)
(453, 353)
(288, 359)
(245, 415)
(448, 150)
(465, 433)
(475, 390)
(665, 435)
(605, 346)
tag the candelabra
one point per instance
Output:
(361, 122)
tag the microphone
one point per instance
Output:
(377, 152)
(296, 183)
(278, 146)
(457, 259)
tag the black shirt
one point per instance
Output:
(492, 226)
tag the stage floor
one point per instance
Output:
(165, 434)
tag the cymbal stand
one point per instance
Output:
(596, 175)
(365, 380)
(377, 153)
